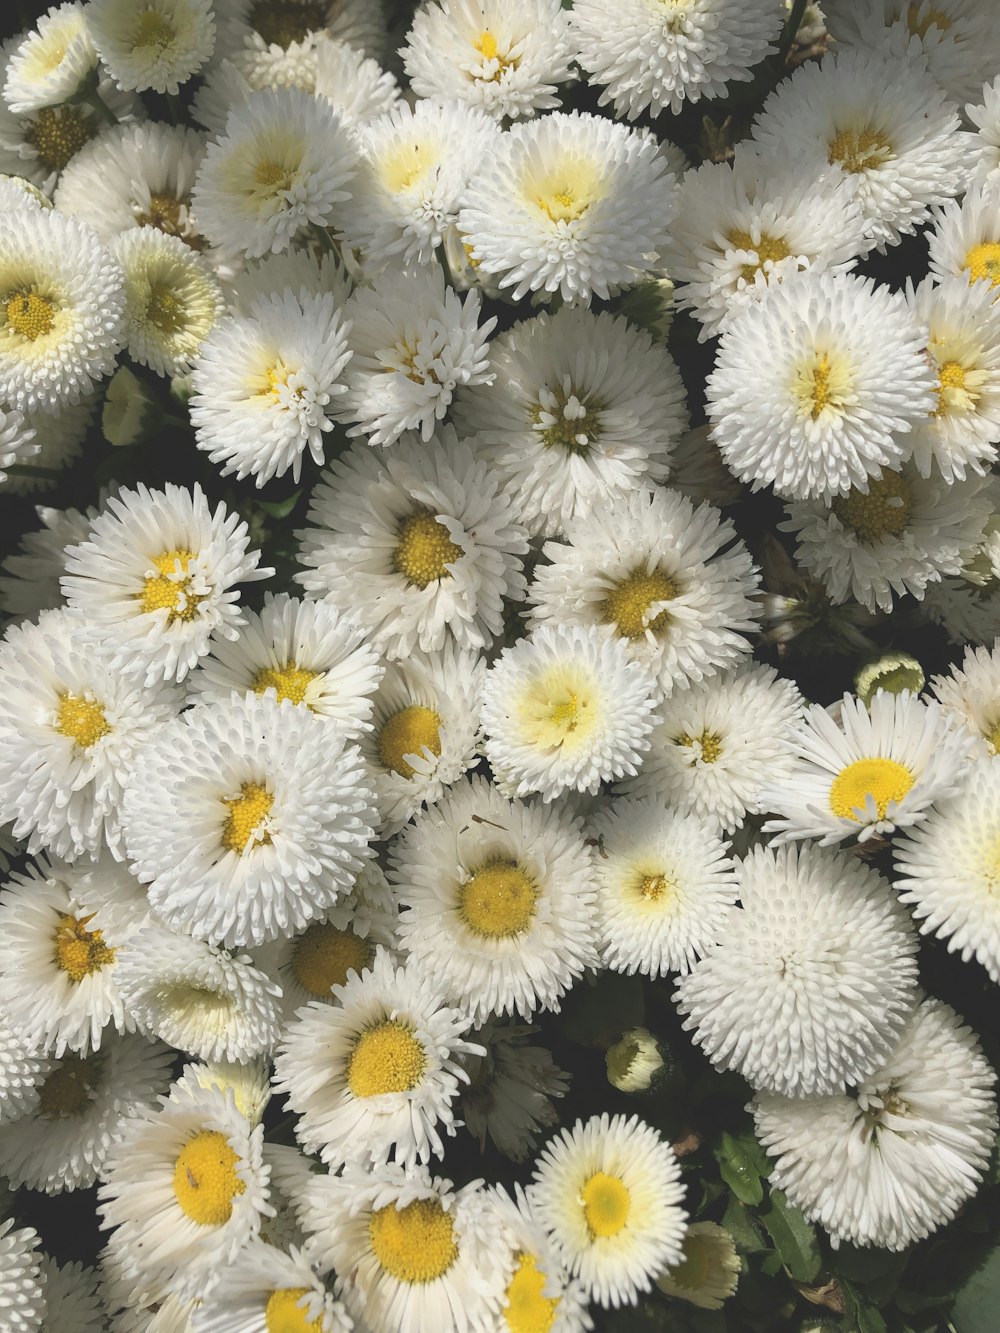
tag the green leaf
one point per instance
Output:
(977, 1307)
(862, 1316)
(280, 508)
(794, 1238)
(740, 1225)
(742, 1163)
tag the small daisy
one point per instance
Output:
(507, 57)
(718, 743)
(985, 115)
(808, 987)
(265, 384)
(246, 818)
(566, 709)
(965, 238)
(657, 57)
(665, 886)
(570, 203)
(267, 1289)
(204, 1000)
(51, 63)
(817, 385)
(155, 577)
(512, 1090)
(878, 769)
(414, 341)
(608, 1191)
(910, 1143)
(671, 582)
(972, 693)
(498, 900)
(158, 46)
(583, 409)
(281, 166)
(710, 1270)
(635, 1061)
(420, 543)
(23, 1069)
(72, 1300)
(22, 1286)
(389, 1066)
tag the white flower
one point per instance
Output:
(18, 442)
(808, 987)
(17, 193)
(710, 1270)
(278, 34)
(570, 202)
(157, 46)
(972, 694)
(511, 1090)
(878, 769)
(155, 577)
(566, 709)
(965, 238)
(608, 1191)
(247, 818)
(22, 1291)
(265, 384)
(137, 1305)
(894, 1161)
(659, 56)
(280, 167)
(583, 409)
(293, 271)
(506, 56)
(419, 543)
(414, 340)
(265, 1288)
(817, 385)
(498, 900)
(985, 115)
(72, 1302)
(52, 61)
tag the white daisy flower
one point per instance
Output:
(947, 869)
(30, 582)
(202, 999)
(985, 115)
(665, 886)
(72, 1301)
(896, 536)
(884, 121)
(82, 1103)
(808, 987)
(247, 818)
(390, 1068)
(249, 1081)
(185, 1188)
(817, 385)
(511, 1091)
(58, 439)
(61, 308)
(265, 384)
(281, 166)
(23, 1069)
(498, 900)
(266, 1289)
(136, 1305)
(22, 1289)
(279, 33)
(659, 56)
(965, 239)
(569, 202)
(910, 1144)
(972, 694)
(420, 543)
(608, 1191)
(158, 46)
(51, 63)
(710, 1270)
(172, 299)
(421, 1254)
(718, 743)
(415, 166)
(566, 709)
(414, 340)
(155, 577)
(878, 769)
(70, 728)
(506, 56)
(583, 409)
(671, 582)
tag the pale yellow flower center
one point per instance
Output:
(498, 902)
(860, 150)
(152, 29)
(606, 1205)
(769, 250)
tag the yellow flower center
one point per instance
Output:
(164, 213)
(606, 1205)
(860, 150)
(205, 1179)
(415, 1244)
(165, 310)
(247, 813)
(708, 745)
(652, 887)
(289, 682)
(693, 1270)
(567, 198)
(282, 22)
(408, 732)
(386, 1058)
(486, 44)
(81, 719)
(58, 133)
(953, 394)
(920, 24)
(66, 1090)
(498, 901)
(983, 261)
(30, 315)
(273, 176)
(883, 512)
(558, 710)
(528, 1309)
(284, 1314)
(627, 605)
(576, 429)
(769, 249)
(170, 590)
(79, 951)
(424, 549)
(883, 779)
(152, 29)
(323, 956)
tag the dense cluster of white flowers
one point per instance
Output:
(495, 727)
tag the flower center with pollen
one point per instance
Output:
(860, 150)
(152, 29)
(82, 719)
(424, 550)
(170, 589)
(606, 1205)
(882, 779)
(652, 887)
(627, 605)
(30, 315)
(498, 901)
(566, 421)
(983, 261)
(707, 746)
(528, 1309)
(410, 731)
(953, 394)
(246, 814)
(559, 709)
(66, 1090)
(289, 682)
(282, 22)
(284, 1314)
(386, 1058)
(79, 951)
(883, 512)
(323, 956)
(58, 133)
(205, 1179)
(769, 250)
(168, 214)
(415, 1244)
(165, 309)
(920, 18)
